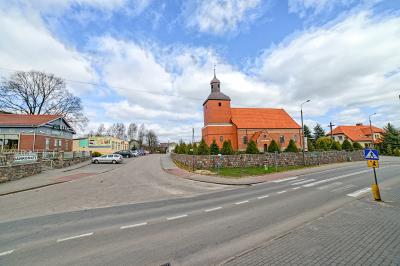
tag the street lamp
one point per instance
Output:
(302, 130)
(370, 127)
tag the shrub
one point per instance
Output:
(396, 152)
(252, 148)
(227, 148)
(189, 149)
(346, 145)
(336, 146)
(214, 149)
(182, 148)
(292, 147)
(357, 146)
(273, 147)
(310, 145)
(323, 144)
(203, 148)
(96, 154)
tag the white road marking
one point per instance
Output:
(241, 202)
(334, 178)
(281, 192)
(176, 217)
(295, 188)
(74, 237)
(357, 193)
(303, 182)
(330, 185)
(132, 225)
(8, 252)
(213, 209)
(263, 197)
(296, 180)
(285, 179)
(343, 188)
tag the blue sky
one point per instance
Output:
(150, 61)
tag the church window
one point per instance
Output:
(295, 138)
(245, 140)
(282, 139)
(219, 104)
(221, 138)
(265, 136)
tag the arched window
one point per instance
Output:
(245, 140)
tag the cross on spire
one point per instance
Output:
(214, 70)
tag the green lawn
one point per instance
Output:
(252, 171)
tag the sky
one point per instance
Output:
(151, 61)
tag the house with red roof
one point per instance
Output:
(358, 133)
(241, 125)
(25, 132)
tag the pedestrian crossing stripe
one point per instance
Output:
(371, 154)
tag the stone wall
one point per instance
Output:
(12, 172)
(269, 159)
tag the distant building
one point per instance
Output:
(241, 125)
(167, 147)
(358, 133)
(35, 133)
(102, 144)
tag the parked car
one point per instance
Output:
(125, 154)
(108, 158)
(135, 153)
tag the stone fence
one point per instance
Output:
(267, 159)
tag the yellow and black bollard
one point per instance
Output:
(375, 188)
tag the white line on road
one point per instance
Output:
(263, 197)
(346, 187)
(334, 184)
(132, 225)
(303, 182)
(334, 178)
(285, 179)
(213, 209)
(8, 252)
(74, 237)
(241, 202)
(296, 180)
(281, 192)
(295, 188)
(357, 193)
(176, 217)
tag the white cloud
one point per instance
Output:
(28, 45)
(301, 7)
(220, 16)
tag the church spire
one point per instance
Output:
(215, 83)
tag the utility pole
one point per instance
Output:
(193, 149)
(372, 132)
(331, 127)
(302, 131)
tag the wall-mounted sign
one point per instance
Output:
(25, 158)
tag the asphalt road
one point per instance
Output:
(200, 230)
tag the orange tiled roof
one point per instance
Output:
(25, 120)
(262, 118)
(357, 133)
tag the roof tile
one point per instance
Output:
(262, 118)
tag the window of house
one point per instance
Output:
(282, 139)
(221, 138)
(245, 140)
(219, 104)
(47, 144)
(60, 143)
(295, 138)
(66, 145)
(340, 137)
(55, 142)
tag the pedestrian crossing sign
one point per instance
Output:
(373, 163)
(371, 154)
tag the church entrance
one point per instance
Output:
(265, 147)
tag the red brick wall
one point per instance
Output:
(26, 143)
(213, 113)
(215, 132)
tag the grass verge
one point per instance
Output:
(253, 171)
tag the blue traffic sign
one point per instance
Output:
(371, 154)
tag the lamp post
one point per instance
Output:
(302, 130)
(372, 133)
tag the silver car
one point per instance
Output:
(108, 158)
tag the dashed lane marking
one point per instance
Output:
(285, 179)
(295, 188)
(303, 182)
(357, 193)
(339, 189)
(334, 178)
(74, 237)
(296, 180)
(263, 197)
(8, 252)
(334, 184)
(213, 209)
(241, 202)
(133, 225)
(176, 217)
(281, 192)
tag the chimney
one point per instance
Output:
(359, 124)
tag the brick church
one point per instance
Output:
(241, 125)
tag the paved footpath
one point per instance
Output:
(361, 233)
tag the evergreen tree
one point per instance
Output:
(319, 132)
(203, 148)
(227, 148)
(310, 145)
(195, 148)
(291, 146)
(389, 149)
(189, 149)
(336, 146)
(214, 149)
(357, 146)
(396, 152)
(391, 139)
(273, 147)
(307, 132)
(252, 148)
(182, 148)
(346, 145)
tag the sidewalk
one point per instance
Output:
(169, 166)
(46, 178)
(363, 232)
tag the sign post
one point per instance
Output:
(372, 157)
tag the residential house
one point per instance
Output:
(358, 133)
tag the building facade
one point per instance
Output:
(20, 132)
(101, 144)
(358, 133)
(241, 125)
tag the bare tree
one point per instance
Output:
(40, 93)
(132, 130)
(152, 140)
(141, 134)
(101, 130)
(120, 131)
